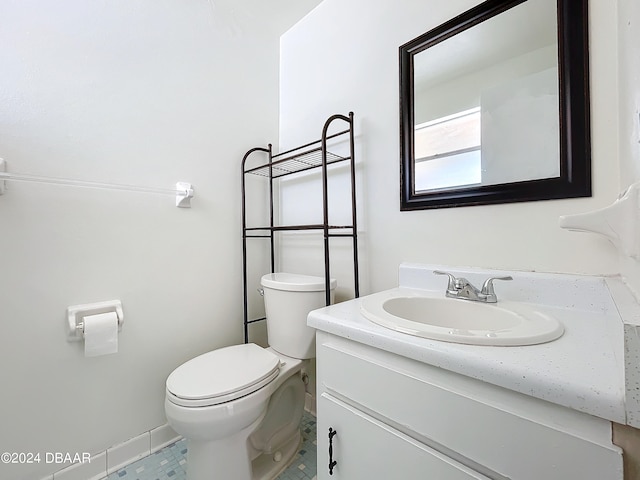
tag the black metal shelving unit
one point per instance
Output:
(305, 157)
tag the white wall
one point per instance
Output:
(629, 93)
(141, 93)
(353, 65)
(629, 118)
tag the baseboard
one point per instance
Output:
(114, 458)
(310, 404)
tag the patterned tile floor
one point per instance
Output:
(170, 463)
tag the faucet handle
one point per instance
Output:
(453, 281)
(487, 288)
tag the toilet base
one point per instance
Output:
(225, 458)
(204, 457)
(266, 467)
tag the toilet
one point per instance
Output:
(240, 407)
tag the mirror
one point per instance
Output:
(494, 107)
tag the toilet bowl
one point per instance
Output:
(219, 418)
(240, 407)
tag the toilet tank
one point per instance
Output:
(288, 299)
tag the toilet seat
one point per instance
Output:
(222, 375)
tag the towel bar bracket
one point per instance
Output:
(3, 168)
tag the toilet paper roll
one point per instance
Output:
(100, 334)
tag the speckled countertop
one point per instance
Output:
(582, 370)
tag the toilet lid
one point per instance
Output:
(222, 375)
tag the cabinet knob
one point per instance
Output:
(332, 462)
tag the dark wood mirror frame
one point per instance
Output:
(575, 142)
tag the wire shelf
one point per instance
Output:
(304, 157)
(283, 228)
(296, 163)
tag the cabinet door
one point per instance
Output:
(365, 448)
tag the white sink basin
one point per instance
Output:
(429, 315)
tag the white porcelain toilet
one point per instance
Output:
(240, 407)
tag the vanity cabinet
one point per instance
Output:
(370, 449)
(395, 417)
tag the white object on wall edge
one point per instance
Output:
(619, 222)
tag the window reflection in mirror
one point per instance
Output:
(447, 151)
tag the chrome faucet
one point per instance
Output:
(462, 288)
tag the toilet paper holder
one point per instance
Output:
(76, 314)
